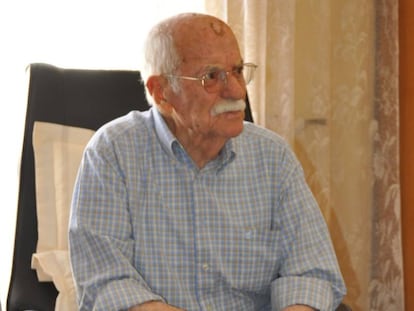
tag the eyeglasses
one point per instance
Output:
(215, 78)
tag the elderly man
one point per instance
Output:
(188, 207)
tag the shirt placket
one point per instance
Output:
(204, 278)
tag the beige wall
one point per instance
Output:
(407, 143)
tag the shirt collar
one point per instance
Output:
(226, 156)
(166, 138)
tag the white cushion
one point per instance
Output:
(58, 151)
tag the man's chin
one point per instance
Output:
(231, 123)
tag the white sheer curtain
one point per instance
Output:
(77, 33)
(328, 82)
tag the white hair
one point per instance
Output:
(160, 56)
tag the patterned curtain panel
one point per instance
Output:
(328, 82)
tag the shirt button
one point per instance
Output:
(205, 267)
(248, 235)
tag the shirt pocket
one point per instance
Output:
(250, 258)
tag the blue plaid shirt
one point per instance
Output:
(243, 233)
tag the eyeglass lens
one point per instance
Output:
(215, 79)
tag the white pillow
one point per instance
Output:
(58, 151)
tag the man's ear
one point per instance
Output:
(155, 86)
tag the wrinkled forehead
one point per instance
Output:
(207, 25)
(203, 36)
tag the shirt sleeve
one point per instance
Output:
(101, 237)
(309, 273)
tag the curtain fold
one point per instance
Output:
(328, 83)
(386, 287)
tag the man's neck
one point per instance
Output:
(200, 149)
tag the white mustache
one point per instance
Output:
(228, 105)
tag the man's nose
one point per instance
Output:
(233, 87)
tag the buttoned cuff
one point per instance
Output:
(316, 293)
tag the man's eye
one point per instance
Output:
(238, 70)
(212, 75)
